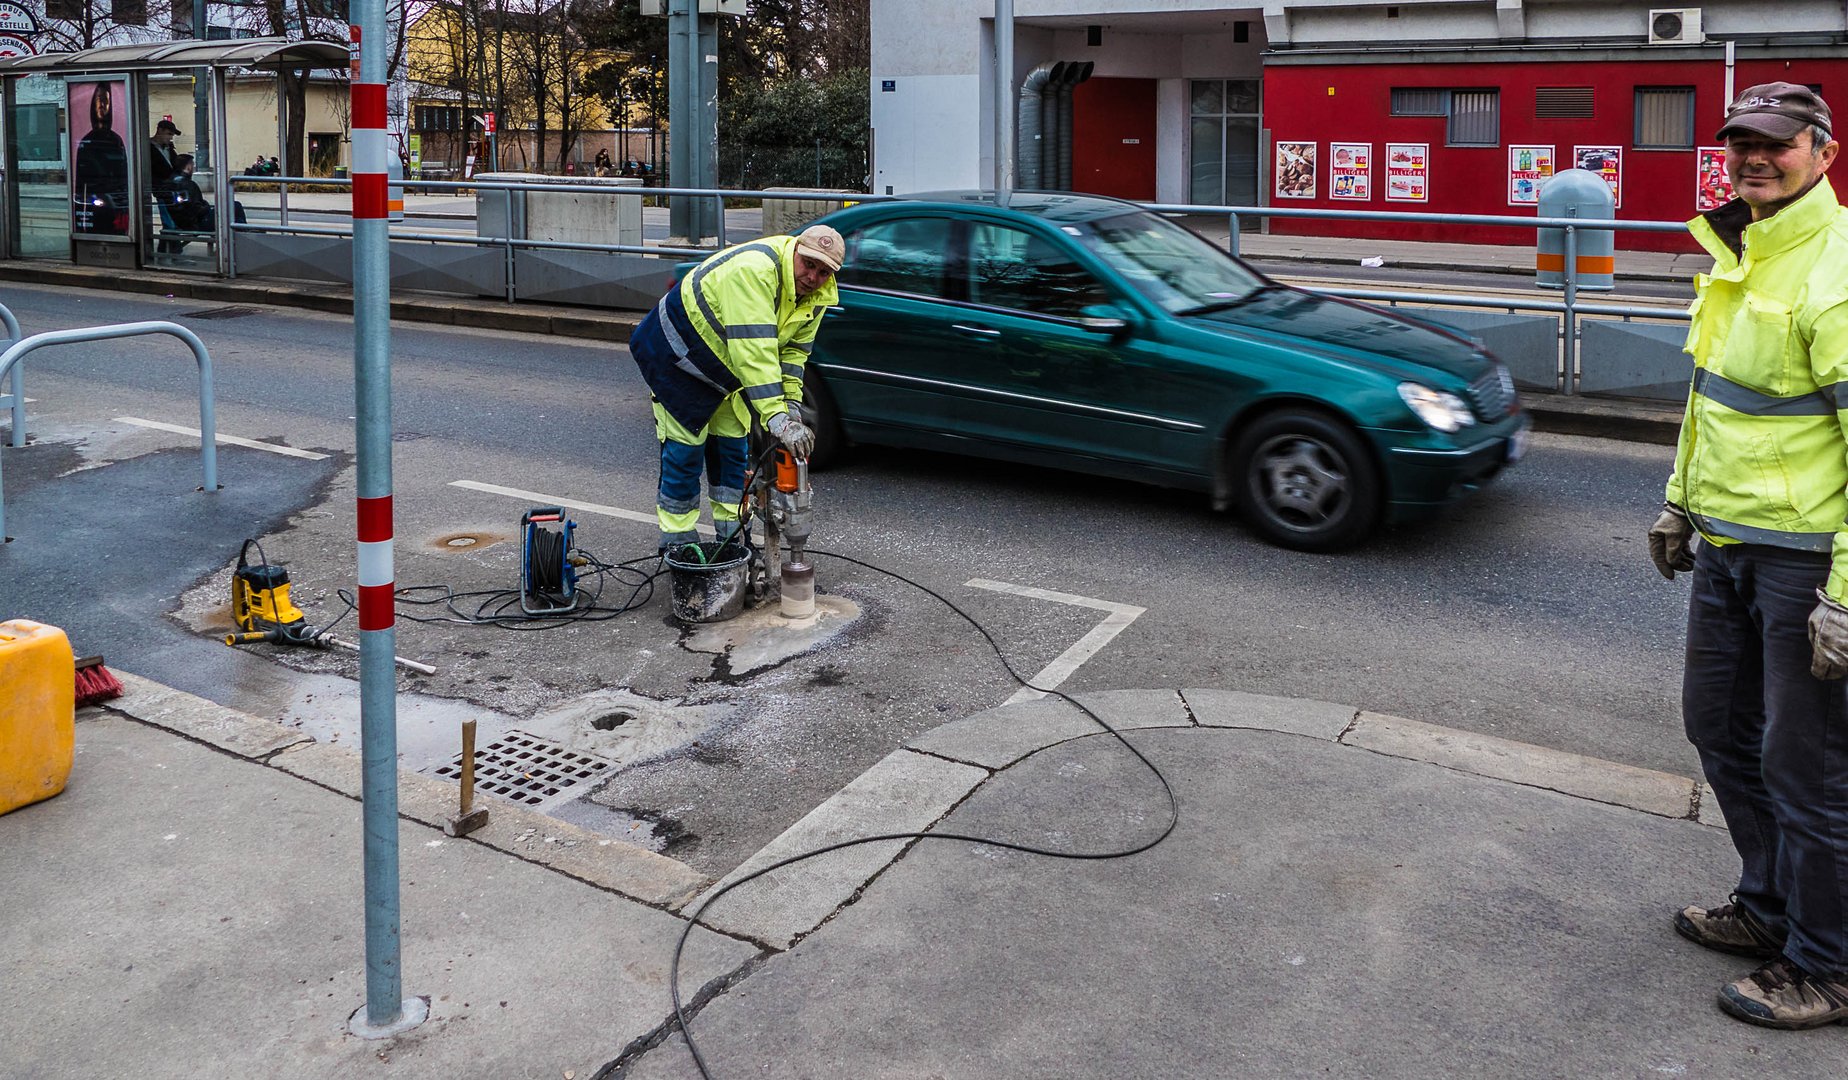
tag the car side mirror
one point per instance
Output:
(1104, 319)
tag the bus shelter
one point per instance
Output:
(84, 130)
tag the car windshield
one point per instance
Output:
(1170, 265)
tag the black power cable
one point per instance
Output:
(1174, 812)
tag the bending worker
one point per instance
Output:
(1760, 474)
(729, 340)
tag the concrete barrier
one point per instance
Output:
(790, 215)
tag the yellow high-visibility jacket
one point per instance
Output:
(742, 303)
(1763, 457)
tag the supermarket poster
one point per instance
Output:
(1295, 170)
(1408, 172)
(1528, 168)
(1606, 161)
(1350, 170)
(1712, 187)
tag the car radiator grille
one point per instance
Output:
(1492, 396)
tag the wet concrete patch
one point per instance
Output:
(626, 727)
(763, 638)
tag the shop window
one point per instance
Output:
(1563, 103)
(1665, 118)
(1475, 118)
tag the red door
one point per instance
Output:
(1113, 138)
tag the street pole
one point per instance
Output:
(682, 86)
(1004, 92)
(385, 1012)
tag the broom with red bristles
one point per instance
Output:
(95, 684)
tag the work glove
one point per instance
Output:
(792, 433)
(1828, 634)
(1671, 541)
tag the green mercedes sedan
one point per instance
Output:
(1086, 333)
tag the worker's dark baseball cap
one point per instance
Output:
(167, 125)
(1780, 110)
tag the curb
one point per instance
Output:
(916, 786)
(610, 864)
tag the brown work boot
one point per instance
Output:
(1729, 928)
(1783, 995)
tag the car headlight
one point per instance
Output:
(1443, 411)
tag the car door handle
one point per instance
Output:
(982, 331)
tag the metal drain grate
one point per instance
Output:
(219, 313)
(525, 769)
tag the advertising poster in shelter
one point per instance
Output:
(1528, 168)
(99, 156)
(1350, 170)
(1295, 170)
(1712, 187)
(1408, 172)
(1606, 161)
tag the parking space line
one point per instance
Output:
(1117, 619)
(233, 440)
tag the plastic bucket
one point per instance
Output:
(708, 591)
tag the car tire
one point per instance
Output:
(1306, 481)
(819, 413)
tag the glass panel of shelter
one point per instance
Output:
(37, 169)
(182, 184)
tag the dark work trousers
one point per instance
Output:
(1773, 742)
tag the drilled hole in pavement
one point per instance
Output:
(610, 721)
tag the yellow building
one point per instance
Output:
(251, 115)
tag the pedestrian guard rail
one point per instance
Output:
(15, 395)
(208, 439)
(1553, 343)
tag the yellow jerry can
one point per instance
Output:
(38, 730)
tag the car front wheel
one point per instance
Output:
(1306, 481)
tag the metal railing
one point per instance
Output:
(208, 439)
(1567, 308)
(15, 394)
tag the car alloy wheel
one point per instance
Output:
(1307, 481)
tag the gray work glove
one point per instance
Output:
(792, 433)
(1671, 541)
(1828, 634)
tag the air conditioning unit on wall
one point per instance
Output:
(1675, 26)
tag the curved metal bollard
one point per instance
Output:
(208, 440)
(17, 394)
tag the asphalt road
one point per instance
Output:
(1529, 612)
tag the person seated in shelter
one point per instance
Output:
(190, 211)
(258, 167)
(604, 165)
(275, 167)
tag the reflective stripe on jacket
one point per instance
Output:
(742, 302)
(1762, 457)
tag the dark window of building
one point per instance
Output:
(1009, 268)
(438, 118)
(1241, 31)
(129, 12)
(1665, 117)
(1562, 103)
(64, 9)
(1418, 101)
(182, 18)
(227, 33)
(326, 9)
(1222, 142)
(1475, 118)
(907, 256)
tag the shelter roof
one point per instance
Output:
(271, 52)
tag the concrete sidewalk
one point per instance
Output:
(1344, 894)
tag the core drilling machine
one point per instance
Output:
(787, 500)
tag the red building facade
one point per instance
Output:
(1457, 131)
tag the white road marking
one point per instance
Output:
(1115, 622)
(288, 451)
(538, 498)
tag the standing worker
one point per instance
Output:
(732, 337)
(1761, 473)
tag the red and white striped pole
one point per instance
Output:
(386, 1012)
